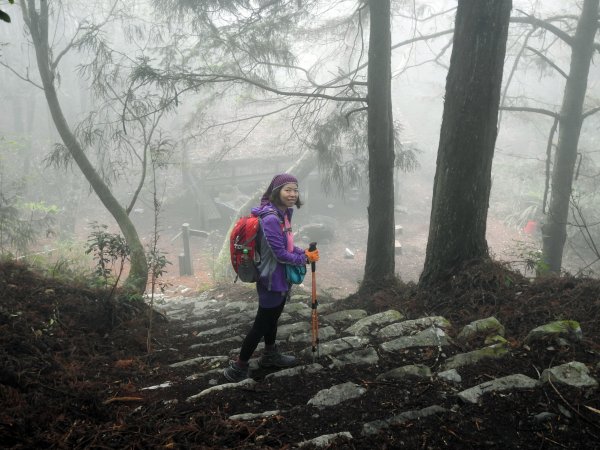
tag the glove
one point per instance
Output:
(312, 256)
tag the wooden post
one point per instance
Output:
(181, 259)
(187, 254)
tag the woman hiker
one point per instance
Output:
(276, 244)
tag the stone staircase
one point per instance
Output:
(382, 369)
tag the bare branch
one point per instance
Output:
(592, 111)
(395, 46)
(22, 77)
(422, 38)
(222, 78)
(349, 113)
(244, 119)
(542, 111)
(549, 61)
(512, 73)
(425, 19)
(539, 23)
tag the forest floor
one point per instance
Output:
(72, 368)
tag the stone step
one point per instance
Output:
(426, 353)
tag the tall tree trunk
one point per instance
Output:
(554, 231)
(468, 135)
(38, 27)
(380, 258)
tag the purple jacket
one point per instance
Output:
(273, 248)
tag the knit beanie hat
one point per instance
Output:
(277, 182)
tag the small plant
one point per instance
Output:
(157, 264)
(157, 261)
(530, 258)
(108, 250)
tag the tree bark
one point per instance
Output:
(554, 231)
(380, 257)
(468, 134)
(38, 27)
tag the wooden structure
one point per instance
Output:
(221, 187)
(185, 258)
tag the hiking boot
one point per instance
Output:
(272, 358)
(234, 373)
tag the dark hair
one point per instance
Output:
(276, 199)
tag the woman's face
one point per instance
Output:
(289, 194)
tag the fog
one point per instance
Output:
(218, 141)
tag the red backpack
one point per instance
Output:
(242, 246)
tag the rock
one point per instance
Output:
(295, 307)
(199, 323)
(348, 254)
(216, 331)
(345, 316)
(366, 356)
(230, 340)
(252, 416)
(337, 394)
(451, 375)
(495, 339)
(157, 386)
(376, 426)
(574, 374)
(465, 359)
(338, 346)
(325, 333)
(204, 360)
(409, 371)
(239, 306)
(410, 326)
(364, 326)
(298, 370)
(569, 329)
(285, 331)
(297, 298)
(482, 327)
(509, 383)
(326, 440)
(431, 337)
(249, 382)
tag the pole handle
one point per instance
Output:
(311, 248)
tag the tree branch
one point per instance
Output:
(590, 112)
(512, 73)
(539, 23)
(225, 78)
(22, 77)
(395, 46)
(549, 61)
(349, 113)
(545, 112)
(422, 38)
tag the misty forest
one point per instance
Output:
(448, 164)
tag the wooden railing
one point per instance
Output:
(185, 258)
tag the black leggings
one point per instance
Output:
(265, 325)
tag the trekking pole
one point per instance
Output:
(314, 319)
